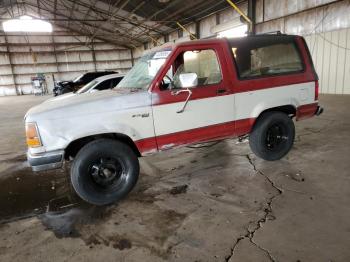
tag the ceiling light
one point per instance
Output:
(26, 24)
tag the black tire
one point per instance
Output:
(104, 171)
(272, 136)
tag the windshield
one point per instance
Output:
(87, 87)
(142, 74)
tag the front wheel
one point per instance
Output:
(272, 136)
(104, 171)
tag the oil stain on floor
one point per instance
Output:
(25, 193)
(48, 196)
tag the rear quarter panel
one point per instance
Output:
(253, 96)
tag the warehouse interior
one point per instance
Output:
(216, 202)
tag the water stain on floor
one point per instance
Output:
(116, 241)
(67, 223)
(179, 190)
(49, 197)
(25, 193)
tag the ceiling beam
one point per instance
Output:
(71, 13)
(136, 8)
(86, 25)
(111, 33)
(111, 15)
(194, 6)
(130, 21)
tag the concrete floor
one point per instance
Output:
(211, 204)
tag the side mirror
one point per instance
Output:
(188, 80)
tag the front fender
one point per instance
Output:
(57, 134)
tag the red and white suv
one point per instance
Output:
(189, 93)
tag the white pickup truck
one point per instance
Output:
(188, 93)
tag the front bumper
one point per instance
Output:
(46, 161)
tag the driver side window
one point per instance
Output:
(203, 63)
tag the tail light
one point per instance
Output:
(317, 87)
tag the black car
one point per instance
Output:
(63, 87)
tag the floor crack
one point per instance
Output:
(267, 215)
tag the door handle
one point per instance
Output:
(221, 91)
(175, 93)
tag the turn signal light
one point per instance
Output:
(32, 134)
(317, 87)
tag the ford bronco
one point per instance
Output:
(192, 92)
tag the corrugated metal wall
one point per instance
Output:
(62, 57)
(325, 25)
(331, 55)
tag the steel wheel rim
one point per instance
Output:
(108, 172)
(276, 135)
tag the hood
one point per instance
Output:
(88, 103)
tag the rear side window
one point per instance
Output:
(266, 57)
(104, 85)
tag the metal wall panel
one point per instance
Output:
(320, 19)
(31, 69)
(6, 70)
(31, 58)
(4, 59)
(6, 80)
(112, 55)
(331, 56)
(173, 36)
(281, 8)
(230, 13)
(7, 90)
(60, 56)
(206, 25)
(325, 25)
(76, 67)
(68, 56)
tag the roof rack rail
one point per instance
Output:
(272, 33)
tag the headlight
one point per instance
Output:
(32, 134)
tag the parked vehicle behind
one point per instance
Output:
(63, 87)
(102, 83)
(99, 84)
(189, 93)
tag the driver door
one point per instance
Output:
(202, 112)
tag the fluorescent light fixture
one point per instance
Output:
(238, 31)
(26, 24)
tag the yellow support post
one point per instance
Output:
(240, 12)
(185, 29)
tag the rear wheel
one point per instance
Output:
(104, 171)
(272, 136)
